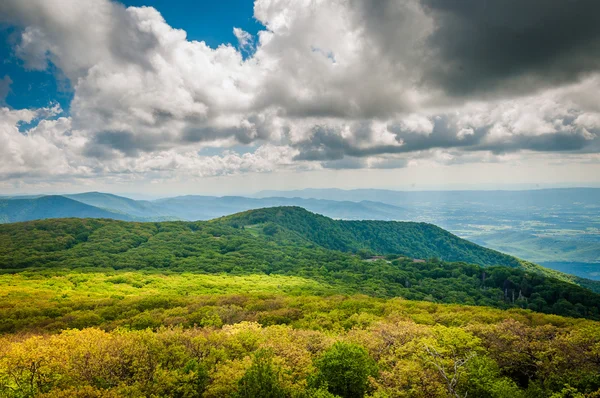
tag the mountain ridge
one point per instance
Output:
(294, 227)
(52, 206)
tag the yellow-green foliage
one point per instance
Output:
(33, 301)
(471, 350)
(189, 335)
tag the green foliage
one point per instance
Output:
(344, 369)
(484, 379)
(270, 229)
(261, 379)
(411, 239)
(281, 303)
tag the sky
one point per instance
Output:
(162, 97)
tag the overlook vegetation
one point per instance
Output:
(284, 303)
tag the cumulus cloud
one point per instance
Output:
(325, 84)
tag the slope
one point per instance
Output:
(15, 210)
(117, 204)
(84, 245)
(416, 240)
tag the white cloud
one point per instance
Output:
(244, 39)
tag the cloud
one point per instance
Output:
(245, 39)
(511, 46)
(330, 84)
(42, 151)
(4, 88)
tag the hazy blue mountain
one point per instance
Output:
(192, 208)
(120, 204)
(537, 197)
(207, 207)
(54, 206)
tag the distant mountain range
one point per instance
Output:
(503, 198)
(188, 208)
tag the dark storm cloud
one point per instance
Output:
(345, 164)
(327, 145)
(479, 45)
(125, 142)
(557, 142)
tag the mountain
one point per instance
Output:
(15, 210)
(195, 207)
(503, 198)
(418, 240)
(274, 240)
(542, 225)
(554, 226)
(119, 204)
(415, 240)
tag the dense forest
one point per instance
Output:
(273, 345)
(417, 240)
(283, 303)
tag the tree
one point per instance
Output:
(345, 369)
(261, 379)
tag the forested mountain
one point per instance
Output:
(420, 240)
(415, 240)
(15, 210)
(551, 226)
(293, 241)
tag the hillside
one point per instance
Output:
(16, 210)
(554, 227)
(227, 246)
(416, 240)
